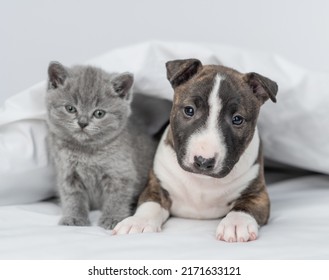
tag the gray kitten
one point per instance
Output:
(102, 154)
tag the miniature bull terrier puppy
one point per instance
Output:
(209, 162)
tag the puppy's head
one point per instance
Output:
(214, 114)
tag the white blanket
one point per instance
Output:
(298, 229)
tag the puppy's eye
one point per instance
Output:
(189, 111)
(237, 120)
(98, 114)
(70, 109)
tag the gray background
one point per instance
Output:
(35, 32)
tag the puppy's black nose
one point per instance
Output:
(204, 164)
(82, 124)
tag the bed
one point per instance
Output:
(295, 138)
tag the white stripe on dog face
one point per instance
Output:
(209, 141)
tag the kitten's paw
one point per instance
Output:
(74, 221)
(135, 224)
(109, 222)
(237, 227)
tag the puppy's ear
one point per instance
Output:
(57, 74)
(262, 87)
(180, 71)
(122, 85)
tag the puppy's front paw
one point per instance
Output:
(74, 221)
(135, 224)
(237, 227)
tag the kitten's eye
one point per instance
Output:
(70, 109)
(189, 111)
(237, 120)
(98, 114)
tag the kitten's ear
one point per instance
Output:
(57, 74)
(122, 84)
(262, 87)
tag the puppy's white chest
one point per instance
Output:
(197, 198)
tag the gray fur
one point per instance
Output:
(101, 163)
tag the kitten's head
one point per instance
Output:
(86, 104)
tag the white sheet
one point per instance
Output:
(298, 229)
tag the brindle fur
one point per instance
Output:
(254, 200)
(155, 193)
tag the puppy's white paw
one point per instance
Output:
(237, 227)
(135, 224)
